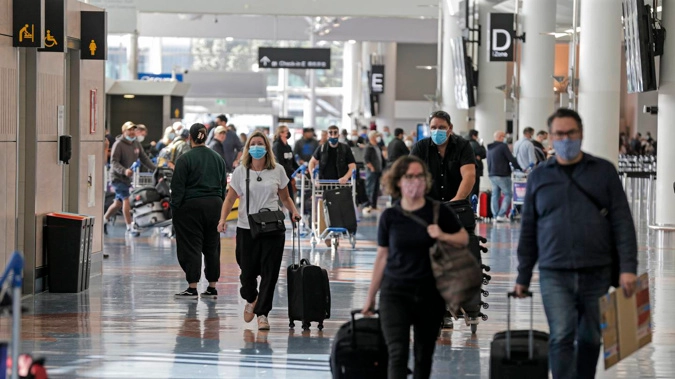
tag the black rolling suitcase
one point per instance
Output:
(465, 213)
(339, 209)
(308, 291)
(359, 350)
(519, 353)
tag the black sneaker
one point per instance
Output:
(210, 293)
(190, 293)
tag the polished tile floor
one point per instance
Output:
(129, 326)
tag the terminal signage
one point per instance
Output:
(27, 21)
(163, 77)
(377, 79)
(177, 107)
(93, 35)
(55, 26)
(297, 58)
(501, 37)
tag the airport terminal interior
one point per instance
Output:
(96, 296)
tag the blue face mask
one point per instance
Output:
(333, 141)
(257, 152)
(172, 136)
(439, 136)
(130, 139)
(567, 149)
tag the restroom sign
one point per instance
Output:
(501, 37)
(28, 17)
(93, 35)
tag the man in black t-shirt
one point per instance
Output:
(336, 160)
(450, 159)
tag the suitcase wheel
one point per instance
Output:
(485, 293)
(484, 316)
(320, 326)
(484, 305)
(485, 281)
(291, 324)
(474, 328)
(482, 239)
(484, 249)
(305, 326)
(486, 268)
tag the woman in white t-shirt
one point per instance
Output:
(268, 184)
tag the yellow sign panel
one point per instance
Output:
(27, 33)
(176, 113)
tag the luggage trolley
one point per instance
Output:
(334, 233)
(518, 187)
(147, 179)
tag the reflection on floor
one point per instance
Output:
(129, 326)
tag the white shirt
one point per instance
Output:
(263, 194)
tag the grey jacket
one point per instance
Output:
(124, 154)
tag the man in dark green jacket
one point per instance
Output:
(197, 191)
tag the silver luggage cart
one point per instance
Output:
(518, 187)
(332, 233)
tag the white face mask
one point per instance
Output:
(408, 143)
(140, 138)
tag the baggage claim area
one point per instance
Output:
(107, 100)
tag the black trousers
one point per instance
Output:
(196, 225)
(401, 307)
(259, 257)
(476, 187)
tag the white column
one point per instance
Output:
(536, 64)
(386, 51)
(665, 198)
(451, 30)
(490, 115)
(599, 76)
(351, 84)
(309, 114)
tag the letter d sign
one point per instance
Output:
(501, 37)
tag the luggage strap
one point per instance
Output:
(508, 325)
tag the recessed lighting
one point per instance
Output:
(229, 39)
(352, 41)
(129, 96)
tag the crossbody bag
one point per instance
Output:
(266, 222)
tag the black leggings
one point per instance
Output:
(259, 257)
(401, 307)
(196, 224)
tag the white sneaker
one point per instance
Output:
(502, 219)
(248, 311)
(263, 324)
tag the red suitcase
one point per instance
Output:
(484, 209)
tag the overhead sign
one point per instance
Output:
(298, 58)
(55, 26)
(501, 37)
(163, 77)
(177, 107)
(285, 120)
(28, 18)
(377, 79)
(93, 35)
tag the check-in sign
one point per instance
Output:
(28, 17)
(501, 37)
(297, 58)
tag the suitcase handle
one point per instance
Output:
(509, 295)
(354, 313)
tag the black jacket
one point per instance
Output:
(284, 156)
(479, 151)
(499, 156)
(396, 149)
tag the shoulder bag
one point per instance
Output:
(266, 222)
(456, 272)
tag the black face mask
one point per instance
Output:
(288, 135)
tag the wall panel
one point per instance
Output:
(86, 149)
(6, 17)
(49, 197)
(92, 78)
(8, 88)
(7, 199)
(50, 94)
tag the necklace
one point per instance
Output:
(258, 175)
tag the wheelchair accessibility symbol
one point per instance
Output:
(50, 41)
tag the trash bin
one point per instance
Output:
(68, 239)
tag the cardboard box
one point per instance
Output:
(625, 322)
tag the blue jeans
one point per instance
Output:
(121, 190)
(571, 305)
(501, 184)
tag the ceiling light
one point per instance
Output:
(659, 8)
(555, 34)
(572, 30)
(129, 96)
(336, 24)
(229, 39)
(426, 67)
(352, 41)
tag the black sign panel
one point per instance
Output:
(93, 35)
(276, 57)
(55, 26)
(501, 37)
(28, 18)
(377, 79)
(285, 120)
(176, 107)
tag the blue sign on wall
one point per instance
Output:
(163, 77)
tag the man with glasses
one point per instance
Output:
(336, 160)
(577, 225)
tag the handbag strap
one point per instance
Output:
(418, 219)
(603, 210)
(248, 198)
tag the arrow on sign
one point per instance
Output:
(265, 61)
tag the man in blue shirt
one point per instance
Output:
(524, 150)
(577, 224)
(499, 156)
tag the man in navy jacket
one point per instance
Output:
(577, 224)
(499, 156)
